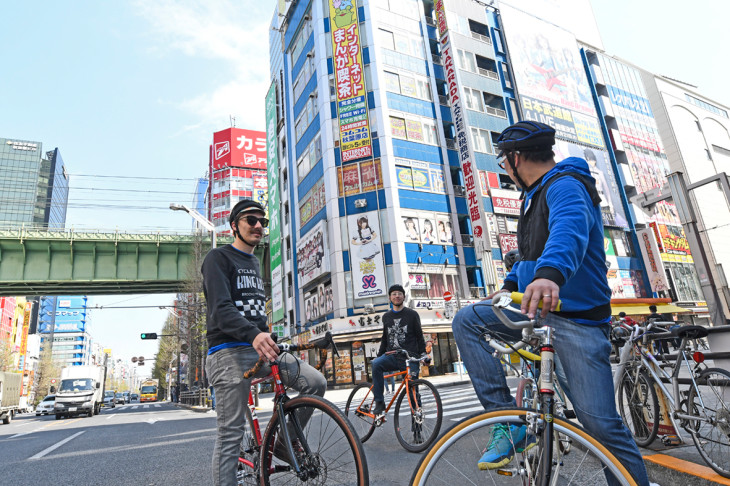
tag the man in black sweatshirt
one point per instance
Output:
(401, 331)
(238, 335)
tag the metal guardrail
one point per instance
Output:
(196, 398)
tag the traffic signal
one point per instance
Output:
(148, 335)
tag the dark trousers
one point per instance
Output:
(388, 363)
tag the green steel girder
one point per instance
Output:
(38, 262)
(65, 262)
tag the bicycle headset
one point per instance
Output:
(524, 136)
(242, 207)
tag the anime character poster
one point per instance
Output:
(413, 234)
(366, 257)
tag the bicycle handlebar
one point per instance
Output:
(409, 358)
(502, 302)
(322, 344)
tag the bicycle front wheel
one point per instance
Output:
(710, 401)
(418, 421)
(638, 405)
(458, 457)
(327, 450)
(359, 403)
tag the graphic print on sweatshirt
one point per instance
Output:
(396, 334)
(251, 301)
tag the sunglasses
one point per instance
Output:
(252, 220)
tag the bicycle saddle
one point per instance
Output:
(690, 332)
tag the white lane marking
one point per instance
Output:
(146, 406)
(24, 433)
(56, 446)
(111, 417)
(135, 407)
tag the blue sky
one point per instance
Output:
(132, 88)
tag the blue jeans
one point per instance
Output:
(583, 352)
(388, 363)
(225, 370)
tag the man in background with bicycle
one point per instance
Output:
(560, 242)
(401, 331)
(237, 335)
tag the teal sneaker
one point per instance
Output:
(505, 442)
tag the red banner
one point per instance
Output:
(236, 147)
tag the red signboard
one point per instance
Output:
(236, 147)
(507, 242)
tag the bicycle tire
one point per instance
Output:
(638, 405)
(363, 425)
(421, 426)
(336, 456)
(525, 393)
(711, 401)
(452, 459)
(248, 475)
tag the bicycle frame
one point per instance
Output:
(406, 380)
(648, 362)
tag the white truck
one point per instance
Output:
(80, 391)
(9, 395)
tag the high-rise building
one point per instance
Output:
(68, 330)
(237, 170)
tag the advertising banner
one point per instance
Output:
(359, 177)
(351, 179)
(413, 234)
(236, 147)
(368, 269)
(313, 254)
(507, 242)
(612, 209)
(352, 110)
(70, 316)
(475, 205)
(652, 260)
(428, 231)
(313, 203)
(272, 186)
(674, 241)
(318, 303)
(546, 62)
(445, 231)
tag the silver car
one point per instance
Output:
(46, 406)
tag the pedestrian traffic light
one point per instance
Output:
(148, 335)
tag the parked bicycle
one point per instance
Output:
(698, 402)
(418, 411)
(324, 451)
(554, 450)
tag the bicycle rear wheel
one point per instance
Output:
(453, 458)
(361, 400)
(248, 460)
(328, 450)
(417, 428)
(638, 405)
(710, 400)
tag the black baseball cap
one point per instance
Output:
(396, 288)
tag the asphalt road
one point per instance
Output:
(156, 444)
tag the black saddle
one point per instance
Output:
(690, 332)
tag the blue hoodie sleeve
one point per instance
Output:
(510, 281)
(570, 221)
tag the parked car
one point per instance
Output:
(120, 398)
(134, 397)
(46, 406)
(109, 399)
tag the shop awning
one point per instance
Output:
(436, 328)
(643, 309)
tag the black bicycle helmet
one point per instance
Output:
(244, 206)
(528, 136)
(510, 258)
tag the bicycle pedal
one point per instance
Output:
(569, 414)
(671, 440)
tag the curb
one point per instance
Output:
(671, 471)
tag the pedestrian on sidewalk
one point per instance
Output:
(390, 381)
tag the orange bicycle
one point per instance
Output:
(417, 418)
(307, 441)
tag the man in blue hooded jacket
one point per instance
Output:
(562, 257)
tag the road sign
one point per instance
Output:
(53, 381)
(447, 296)
(134, 359)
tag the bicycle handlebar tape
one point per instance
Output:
(517, 299)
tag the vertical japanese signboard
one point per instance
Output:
(352, 110)
(274, 206)
(466, 157)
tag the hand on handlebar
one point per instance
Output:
(265, 346)
(540, 289)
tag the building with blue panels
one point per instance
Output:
(66, 325)
(372, 191)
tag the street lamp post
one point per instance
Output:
(197, 217)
